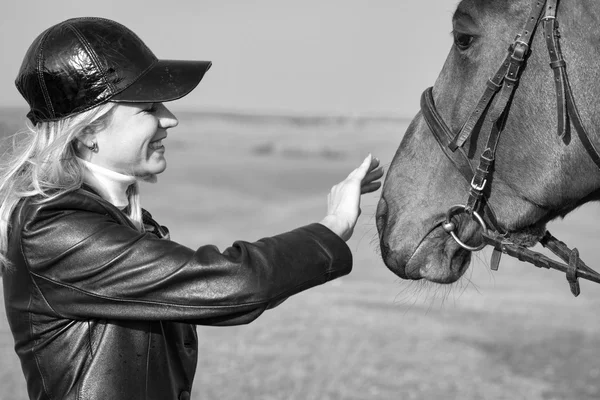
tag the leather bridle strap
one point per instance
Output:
(496, 116)
(504, 80)
(494, 122)
(509, 71)
(490, 117)
(493, 85)
(558, 65)
(443, 135)
(459, 159)
(567, 110)
(575, 266)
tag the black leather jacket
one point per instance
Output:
(99, 310)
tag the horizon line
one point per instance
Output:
(266, 113)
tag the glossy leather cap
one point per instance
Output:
(81, 63)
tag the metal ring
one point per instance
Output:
(449, 226)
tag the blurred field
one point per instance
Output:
(513, 334)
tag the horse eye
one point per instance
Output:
(462, 40)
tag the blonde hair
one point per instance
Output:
(42, 162)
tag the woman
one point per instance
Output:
(102, 305)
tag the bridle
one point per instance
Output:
(490, 118)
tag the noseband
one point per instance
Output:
(491, 118)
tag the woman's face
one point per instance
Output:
(132, 143)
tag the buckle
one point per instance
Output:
(476, 187)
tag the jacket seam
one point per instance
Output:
(148, 361)
(330, 254)
(35, 343)
(238, 305)
(89, 337)
(30, 315)
(330, 270)
(33, 280)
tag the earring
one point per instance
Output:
(93, 147)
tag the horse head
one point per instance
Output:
(539, 173)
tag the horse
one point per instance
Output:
(503, 144)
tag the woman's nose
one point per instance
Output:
(166, 118)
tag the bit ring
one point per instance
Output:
(450, 226)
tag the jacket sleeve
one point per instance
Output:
(87, 265)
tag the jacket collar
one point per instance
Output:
(110, 185)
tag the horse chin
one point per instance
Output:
(528, 236)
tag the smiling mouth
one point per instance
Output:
(156, 145)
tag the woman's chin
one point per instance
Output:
(161, 168)
(149, 173)
(157, 165)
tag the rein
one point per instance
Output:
(490, 118)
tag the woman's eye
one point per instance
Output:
(152, 109)
(462, 40)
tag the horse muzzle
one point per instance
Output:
(426, 251)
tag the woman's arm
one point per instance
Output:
(87, 261)
(87, 265)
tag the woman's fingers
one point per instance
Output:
(373, 175)
(360, 172)
(343, 201)
(370, 187)
(374, 163)
(370, 182)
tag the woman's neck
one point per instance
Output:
(110, 185)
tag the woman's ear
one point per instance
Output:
(86, 144)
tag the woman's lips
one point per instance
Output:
(156, 145)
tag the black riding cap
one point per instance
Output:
(81, 63)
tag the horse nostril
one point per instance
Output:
(382, 222)
(381, 216)
(385, 250)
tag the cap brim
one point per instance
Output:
(166, 80)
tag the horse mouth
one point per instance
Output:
(438, 258)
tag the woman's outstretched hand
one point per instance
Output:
(343, 201)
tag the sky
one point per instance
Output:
(343, 57)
